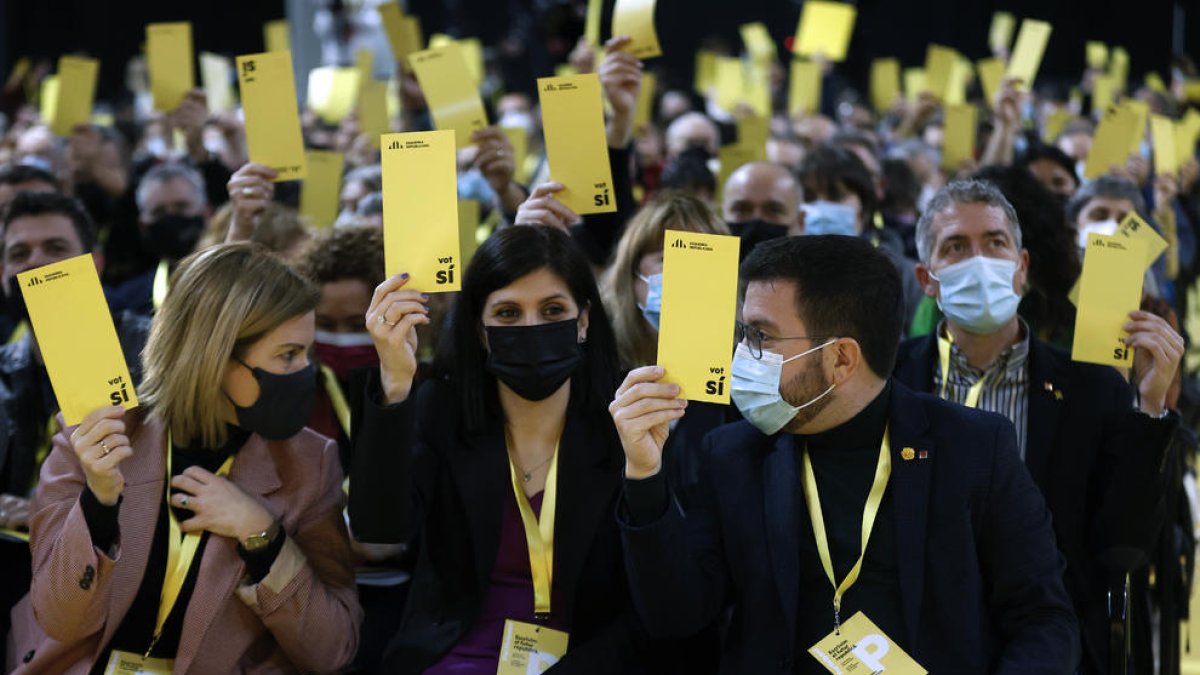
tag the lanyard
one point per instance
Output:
(976, 389)
(43, 449)
(19, 332)
(882, 470)
(539, 535)
(181, 549)
(162, 283)
(341, 409)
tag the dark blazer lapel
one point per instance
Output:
(1047, 392)
(918, 368)
(913, 456)
(781, 489)
(480, 469)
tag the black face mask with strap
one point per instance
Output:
(534, 361)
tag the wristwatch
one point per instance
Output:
(257, 542)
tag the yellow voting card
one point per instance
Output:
(939, 66)
(276, 37)
(804, 90)
(364, 63)
(730, 158)
(1109, 289)
(1155, 82)
(48, 101)
(1186, 132)
(529, 649)
(757, 85)
(753, 132)
(420, 210)
(1103, 90)
(1162, 137)
(1001, 31)
(635, 18)
(576, 145)
(321, 189)
(1027, 52)
(169, 59)
(885, 83)
(1110, 145)
(216, 72)
(468, 228)
(392, 18)
(729, 79)
(372, 110)
(1133, 227)
(1097, 54)
(450, 91)
(825, 29)
(591, 25)
(699, 302)
(65, 302)
(860, 647)
(991, 76)
(914, 83)
(76, 92)
(518, 138)
(332, 92)
(272, 121)
(1118, 66)
(643, 112)
(1140, 112)
(960, 76)
(758, 42)
(1054, 123)
(958, 136)
(705, 79)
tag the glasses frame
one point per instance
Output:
(753, 338)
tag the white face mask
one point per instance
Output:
(755, 388)
(1105, 227)
(977, 293)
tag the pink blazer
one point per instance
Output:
(303, 616)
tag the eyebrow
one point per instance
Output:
(502, 301)
(764, 325)
(292, 345)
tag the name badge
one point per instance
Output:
(127, 663)
(529, 649)
(862, 649)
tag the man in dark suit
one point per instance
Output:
(1098, 458)
(958, 568)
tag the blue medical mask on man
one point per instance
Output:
(977, 294)
(756, 392)
(826, 217)
(652, 310)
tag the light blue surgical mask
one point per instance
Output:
(825, 217)
(756, 388)
(977, 293)
(652, 310)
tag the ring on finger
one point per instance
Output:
(106, 449)
(247, 191)
(183, 501)
(384, 321)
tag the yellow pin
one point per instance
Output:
(908, 454)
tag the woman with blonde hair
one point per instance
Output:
(203, 531)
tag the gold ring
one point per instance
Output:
(247, 191)
(106, 448)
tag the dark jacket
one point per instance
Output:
(980, 581)
(1098, 462)
(417, 474)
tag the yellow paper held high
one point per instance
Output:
(1109, 289)
(804, 90)
(468, 227)
(48, 98)
(450, 91)
(752, 133)
(332, 92)
(169, 59)
(960, 76)
(1132, 227)
(643, 112)
(591, 26)
(1097, 54)
(216, 72)
(420, 210)
(705, 79)
(1001, 31)
(1186, 133)
(914, 83)
(1028, 51)
(518, 138)
(635, 18)
(695, 336)
(1110, 145)
(272, 121)
(1118, 67)
(403, 32)
(576, 145)
(939, 65)
(372, 110)
(1140, 112)
(1103, 90)
(321, 190)
(731, 157)
(65, 302)
(885, 83)
(991, 76)
(276, 37)
(1054, 123)
(758, 42)
(958, 142)
(825, 29)
(1162, 136)
(76, 92)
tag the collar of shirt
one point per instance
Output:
(1009, 366)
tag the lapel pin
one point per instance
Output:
(1058, 395)
(907, 454)
(924, 454)
(1049, 386)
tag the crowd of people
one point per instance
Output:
(331, 471)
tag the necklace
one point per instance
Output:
(528, 475)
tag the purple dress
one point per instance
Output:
(509, 596)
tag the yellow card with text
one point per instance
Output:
(216, 72)
(1133, 227)
(1162, 136)
(529, 649)
(76, 92)
(643, 112)
(169, 59)
(450, 91)
(65, 302)
(1097, 54)
(862, 649)
(272, 121)
(699, 302)
(576, 145)
(635, 18)
(804, 89)
(825, 29)
(468, 228)
(939, 66)
(276, 37)
(332, 92)
(991, 75)
(958, 135)
(420, 209)
(885, 83)
(1027, 52)
(1001, 31)
(321, 190)
(1109, 289)
(372, 110)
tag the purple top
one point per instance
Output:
(509, 596)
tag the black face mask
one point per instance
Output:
(754, 232)
(14, 301)
(173, 236)
(534, 361)
(283, 406)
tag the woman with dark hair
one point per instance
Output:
(504, 468)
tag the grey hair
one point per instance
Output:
(1106, 186)
(370, 204)
(164, 173)
(963, 192)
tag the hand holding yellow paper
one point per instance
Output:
(635, 18)
(272, 121)
(885, 83)
(65, 302)
(1027, 53)
(576, 145)
(76, 93)
(698, 308)
(825, 29)
(169, 59)
(1109, 289)
(321, 190)
(450, 91)
(420, 210)
(1134, 228)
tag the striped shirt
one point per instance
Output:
(1006, 390)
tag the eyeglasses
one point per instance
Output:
(755, 338)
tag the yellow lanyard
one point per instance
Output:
(162, 283)
(181, 549)
(43, 449)
(882, 471)
(539, 535)
(19, 332)
(340, 408)
(976, 389)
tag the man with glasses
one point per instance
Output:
(847, 519)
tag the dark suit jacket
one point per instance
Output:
(1098, 462)
(416, 473)
(980, 580)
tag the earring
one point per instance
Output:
(582, 339)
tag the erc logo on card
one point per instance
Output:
(408, 145)
(692, 245)
(53, 276)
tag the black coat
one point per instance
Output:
(980, 580)
(1098, 462)
(417, 475)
